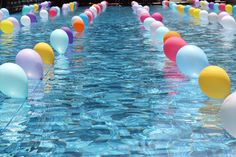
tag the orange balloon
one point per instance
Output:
(171, 34)
(78, 26)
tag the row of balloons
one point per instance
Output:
(193, 62)
(224, 18)
(216, 7)
(35, 7)
(11, 24)
(29, 62)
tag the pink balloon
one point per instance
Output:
(172, 46)
(144, 16)
(157, 16)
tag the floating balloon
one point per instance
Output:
(36, 8)
(160, 32)
(5, 13)
(46, 53)
(69, 33)
(191, 60)
(234, 10)
(31, 62)
(191, 11)
(147, 22)
(211, 5)
(203, 15)
(7, 26)
(157, 16)
(227, 114)
(143, 16)
(72, 6)
(78, 26)
(155, 25)
(171, 34)
(221, 15)
(25, 9)
(84, 17)
(221, 7)
(90, 15)
(15, 23)
(59, 41)
(32, 17)
(214, 82)
(94, 11)
(186, 9)
(13, 81)
(228, 22)
(229, 8)
(25, 21)
(75, 18)
(216, 8)
(172, 46)
(196, 13)
(52, 12)
(213, 18)
(43, 14)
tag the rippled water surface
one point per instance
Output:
(115, 94)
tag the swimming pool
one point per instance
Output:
(114, 93)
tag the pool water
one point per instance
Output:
(114, 93)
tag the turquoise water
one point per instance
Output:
(115, 94)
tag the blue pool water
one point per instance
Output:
(115, 94)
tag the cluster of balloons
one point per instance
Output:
(69, 7)
(190, 59)
(81, 22)
(28, 65)
(224, 18)
(35, 7)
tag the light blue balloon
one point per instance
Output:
(25, 10)
(84, 17)
(5, 13)
(234, 10)
(31, 8)
(186, 9)
(147, 22)
(216, 8)
(191, 60)
(160, 32)
(13, 81)
(171, 5)
(59, 41)
(174, 7)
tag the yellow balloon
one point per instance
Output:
(196, 13)
(191, 11)
(72, 6)
(228, 8)
(181, 9)
(7, 26)
(46, 52)
(36, 7)
(214, 82)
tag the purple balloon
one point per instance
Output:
(32, 17)
(49, 4)
(40, 6)
(211, 5)
(31, 62)
(69, 33)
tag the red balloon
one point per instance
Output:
(52, 12)
(100, 5)
(157, 16)
(98, 9)
(172, 46)
(221, 7)
(90, 15)
(167, 4)
(144, 16)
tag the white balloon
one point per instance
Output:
(203, 15)
(15, 23)
(228, 22)
(221, 15)
(147, 22)
(75, 18)
(43, 14)
(213, 18)
(25, 21)
(227, 114)
(94, 10)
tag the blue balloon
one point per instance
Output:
(186, 9)
(84, 17)
(191, 60)
(234, 10)
(5, 13)
(13, 81)
(216, 8)
(59, 40)
(171, 5)
(25, 10)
